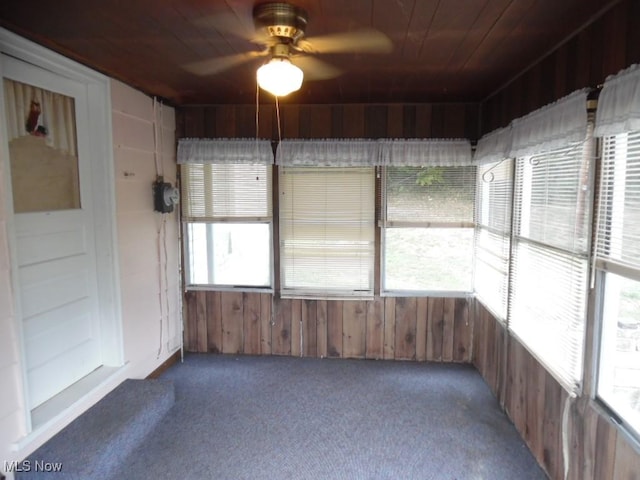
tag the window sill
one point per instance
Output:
(216, 288)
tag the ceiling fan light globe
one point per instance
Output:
(279, 77)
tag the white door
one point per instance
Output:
(54, 227)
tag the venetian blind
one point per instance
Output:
(226, 192)
(618, 238)
(550, 262)
(492, 235)
(327, 231)
(430, 196)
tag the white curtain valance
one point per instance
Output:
(494, 146)
(619, 103)
(416, 153)
(328, 153)
(224, 150)
(553, 126)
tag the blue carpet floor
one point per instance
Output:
(292, 418)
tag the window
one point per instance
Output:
(618, 264)
(327, 231)
(226, 211)
(492, 235)
(428, 228)
(550, 258)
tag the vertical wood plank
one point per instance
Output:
(535, 410)
(309, 328)
(395, 126)
(226, 121)
(590, 454)
(252, 323)
(405, 341)
(281, 332)
(321, 322)
(435, 323)
(389, 328)
(423, 121)
(633, 33)
(334, 328)
(193, 121)
(615, 35)
(245, 121)
(492, 349)
(499, 350)
(421, 328)
(209, 123)
(266, 122)
(265, 323)
(214, 322)
(375, 329)
(353, 121)
(296, 327)
(337, 121)
(606, 446)
(408, 121)
(354, 319)
(552, 428)
(232, 322)
(454, 120)
(289, 119)
(190, 330)
(479, 340)
(627, 461)
(375, 121)
(448, 314)
(462, 331)
(201, 321)
(320, 120)
(519, 388)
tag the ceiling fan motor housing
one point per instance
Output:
(281, 20)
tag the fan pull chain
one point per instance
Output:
(278, 119)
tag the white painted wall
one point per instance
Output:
(148, 276)
(148, 258)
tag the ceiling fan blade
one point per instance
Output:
(237, 25)
(220, 64)
(359, 41)
(315, 69)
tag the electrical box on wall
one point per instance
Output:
(165, 196)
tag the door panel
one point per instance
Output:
(55, 248)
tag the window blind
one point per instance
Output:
(618, 236)
(433, 196)
(225, 192)
(327, 231)
(493, 235)
(548, 308)
(549, 265)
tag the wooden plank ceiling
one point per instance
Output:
(443, 50)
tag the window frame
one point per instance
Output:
(605, 267)
(384, 224)
(482, 226)
(587, 149)
(184, 227)
(307, 293)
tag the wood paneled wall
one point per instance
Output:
(535, 402)
(454, 120)
(401, 328)
(609, 44)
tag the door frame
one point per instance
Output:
(102, 186)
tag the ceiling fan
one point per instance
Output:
(280, 29)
